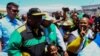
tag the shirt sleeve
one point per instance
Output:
(60, 40)
(14, 44)
(52, 33)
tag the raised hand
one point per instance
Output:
(83, 31)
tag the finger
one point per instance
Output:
(81, 29)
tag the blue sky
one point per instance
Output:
(48, 4)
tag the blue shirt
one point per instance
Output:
(97, 39)
(7, 26)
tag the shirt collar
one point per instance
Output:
(8, 18)
(28, 28)
(14, 21)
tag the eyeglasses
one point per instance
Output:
(15, 10)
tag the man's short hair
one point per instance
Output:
(86, 15)
(11, 4)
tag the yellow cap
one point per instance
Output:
(36, 14)
(67, 23)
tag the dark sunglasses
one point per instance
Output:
(15, 10)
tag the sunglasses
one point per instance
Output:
(15, 10)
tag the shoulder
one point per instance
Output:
(53, 25)
(17, 33)
(2, 20)
(90, 31)
(75, 33)
(21, 28)
(90, 34)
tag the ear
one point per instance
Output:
(29, 20)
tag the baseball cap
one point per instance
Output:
(67, 23)
(35, 12)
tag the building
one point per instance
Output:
(91, 9)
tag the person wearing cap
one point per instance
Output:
(29, 39)
(65, 17)
(8, 24)
(65, 29)
(58, 18)
(53, 35)
(79, 38)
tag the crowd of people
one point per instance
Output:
(37, 33)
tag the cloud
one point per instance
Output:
(74, 7)
(54, 7)
(43, 8)
(51, 8)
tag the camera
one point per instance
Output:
(65, 9)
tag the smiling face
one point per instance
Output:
(83, 24)
(53, 50)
